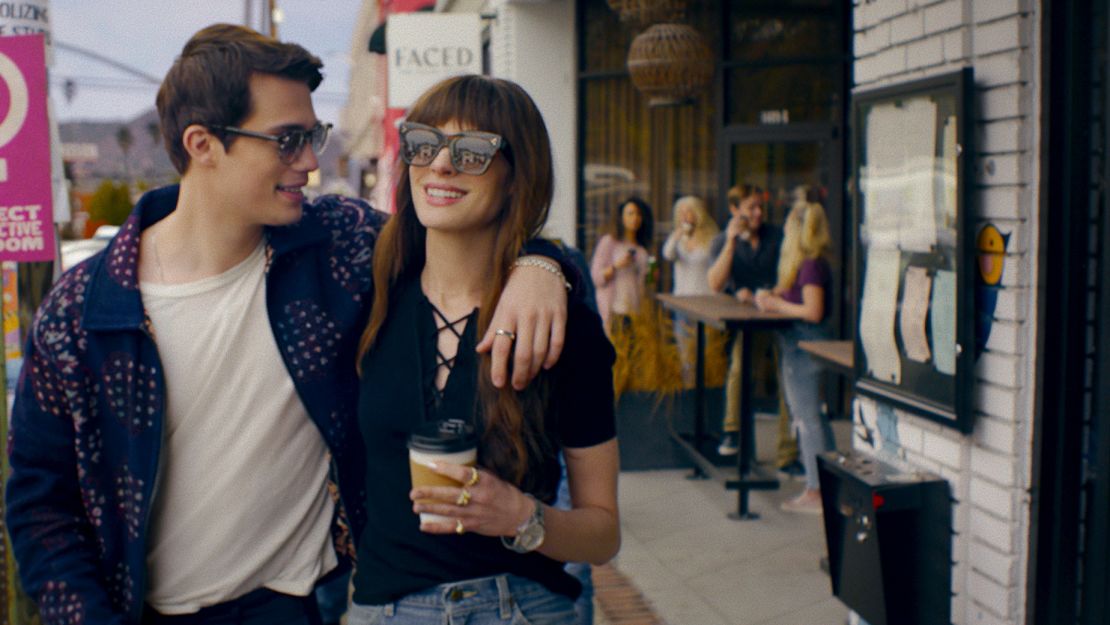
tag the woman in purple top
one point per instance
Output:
(802, 291)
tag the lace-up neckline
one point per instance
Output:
(434, 390)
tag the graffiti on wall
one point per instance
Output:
(991, 253)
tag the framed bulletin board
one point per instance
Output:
(914, 264)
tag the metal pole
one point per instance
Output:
(270, 19)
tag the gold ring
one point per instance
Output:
(464, 498)
(473, 477)
(459, 529)
(506, 333)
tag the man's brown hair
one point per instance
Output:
(742, 191)
(209, 83)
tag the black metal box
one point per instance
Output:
(889, 536)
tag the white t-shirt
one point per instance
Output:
(241, 498)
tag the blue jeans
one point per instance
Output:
(498, 600)
(800, 375)
(332, 598)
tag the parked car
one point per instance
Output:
(76, 251)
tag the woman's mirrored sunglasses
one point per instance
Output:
(471, 151)
(292, 141)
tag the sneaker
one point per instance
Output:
(809, 502)
(792, 471)
(730, 444)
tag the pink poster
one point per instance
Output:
(26, 224)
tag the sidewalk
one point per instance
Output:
(694, 566)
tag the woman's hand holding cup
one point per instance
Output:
(487, 505)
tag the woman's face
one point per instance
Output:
(686, 215)
(447, 200)
(631, 218)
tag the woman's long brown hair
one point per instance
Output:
(513, 444)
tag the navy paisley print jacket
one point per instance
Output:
(87, 424)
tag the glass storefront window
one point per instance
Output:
(628, 149)
(780, 167)
(783, 94)
(605, 47)
(783, 37)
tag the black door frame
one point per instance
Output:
(1067, 581)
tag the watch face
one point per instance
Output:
(531, 538)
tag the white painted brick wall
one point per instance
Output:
(991, 529)
(987, 10)
(944, 16)
(999, 136)
(956, 45)
(1001, 102)
(907, 27)
(999, 468)
(945, 451)
(998, 435)
(899, 40)
(995, 401)
(925, 52)
(992, 497)
(997, 36)
(1002, 68)
(989, 594)
(998, 368)
(995, 565)
(999, 202)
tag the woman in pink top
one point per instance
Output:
(620, 263)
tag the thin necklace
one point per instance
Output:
(157, 257)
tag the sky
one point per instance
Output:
(148, 34)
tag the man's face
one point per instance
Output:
(751, 208)
(257, 187)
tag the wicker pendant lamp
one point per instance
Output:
(648, 11)
(670, 63)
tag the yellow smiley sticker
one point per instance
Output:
(992, 252)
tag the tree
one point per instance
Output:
(110, 203)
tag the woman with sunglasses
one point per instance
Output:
(478, 184)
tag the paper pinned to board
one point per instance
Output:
(943, 321)
(878, 308)
(916, 289)
(899, 180)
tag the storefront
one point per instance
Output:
(772, 115)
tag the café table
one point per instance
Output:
(835, 355)
(726, 313)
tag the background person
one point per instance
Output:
(802, 291)
(688, 247)
(619, 266)
(746, 257)
(478, 184)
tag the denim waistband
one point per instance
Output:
(473, 594)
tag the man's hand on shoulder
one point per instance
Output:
(531, 317)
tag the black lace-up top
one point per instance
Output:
(397, 392)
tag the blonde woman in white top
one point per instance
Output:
(688, 248)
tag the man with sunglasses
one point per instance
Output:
(189, 393)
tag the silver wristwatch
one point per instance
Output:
(530, 533)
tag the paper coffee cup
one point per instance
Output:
(449, 441)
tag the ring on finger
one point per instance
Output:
(509, 334)
(464, 498)
(473, 477)
(459, 529)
